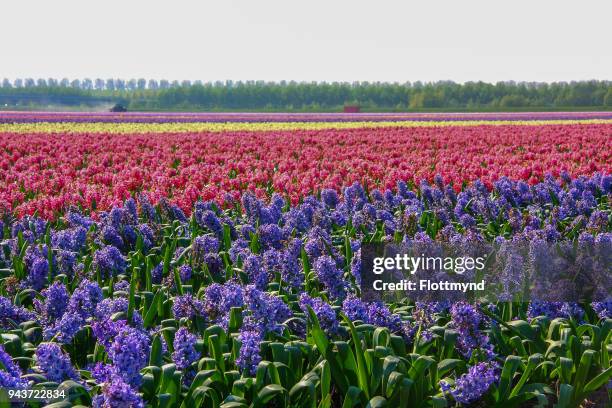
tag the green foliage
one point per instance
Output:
(307, 96)
(542, 361)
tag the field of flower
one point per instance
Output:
(174, 117)
(164, 261)
(47, 172)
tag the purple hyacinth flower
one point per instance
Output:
(267, 311)
(8, 364)
(185, 272)
(129, 353)
(185, 352)
(380, 315)
(85, 299)
(472, 385)
(106, 330)
(64, 329)
(187, 306)
(330, 197)
(54, 305)
(109, 261)
(116, 393)
(55, 365)
(330, 276)
(203, 245)
(206, 218)
(355, 309)
(8, 312)
(256, 273)
(248, 356)
(466, 319)
(324, 312)
(270, 236)
(603, 309)
(38, 273)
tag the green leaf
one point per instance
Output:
(242, 386)
(439, 402)
(598, 382)
(523, 329)
(199, 380)
(509, 369)
(377, 402)
(392, 383)
(199, 396)
(352, 397)
(417, 373)
(362, 371)
(390, 364)
(167, 378)
(317, 333)
(565, 368)
(267, 393)
(75, 392)
(381, 337)
(447, 365)
(214, 348)
(583, 370)
(151, 313)
(132, 298)
(325, 384)
(235, 321)
(151, 380)
(323, 345)
(164, 400)
(533, 362)
(60, 404)
(233, 404)
(346, 360)
(519, 400)
(564, 399)
(177, 281)
(419, 366)
(303, 394)
(404, 392)
(167, 258)
(156, 355)
(227, 237)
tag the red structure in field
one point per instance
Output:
(352, 109)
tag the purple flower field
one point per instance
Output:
(170, 117)
(261, 304)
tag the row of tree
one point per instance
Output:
(97, 84)
(316, 96)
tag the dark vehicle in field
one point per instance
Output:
(118, 108)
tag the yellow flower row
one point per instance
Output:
(191, 127)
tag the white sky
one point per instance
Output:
(343, 40)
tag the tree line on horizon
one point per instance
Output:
(142, 94)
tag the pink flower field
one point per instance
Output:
(46, 173)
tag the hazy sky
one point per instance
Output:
(344, 40)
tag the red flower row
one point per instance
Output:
(48, 172)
